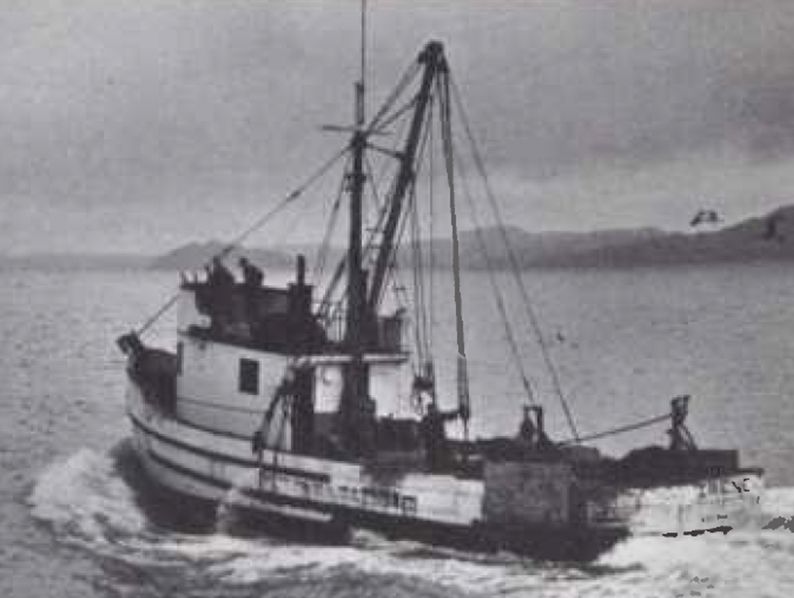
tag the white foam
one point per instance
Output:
(778, 502)
(87, 502)
(82, 493)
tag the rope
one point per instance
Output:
(516, 271)
(325, 303)
(261, 221)
(399, 112)
(627, 428)
(445, 109)
(431, 252)
(409, 73)
(500, 305)
(420, 328)
(322, 255)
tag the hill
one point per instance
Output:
(74, 261)
(769, 237)
(194, 256)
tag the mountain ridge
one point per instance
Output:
(768, 237)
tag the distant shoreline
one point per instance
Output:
(100, 264)
(769, 238)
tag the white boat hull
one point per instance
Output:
(221, 468)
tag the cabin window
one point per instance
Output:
(180, 351)
(249, 376)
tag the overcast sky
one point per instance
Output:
(138, 125)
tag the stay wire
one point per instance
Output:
(431, 252)
(513, 261)
(392, 268)
(416, 253)
(324, 247)
(326, 302)
(408, 74)
(261, 221)
(498, 297)
(619, 430)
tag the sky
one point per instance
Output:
(139, 125)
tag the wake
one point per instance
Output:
(102, 503)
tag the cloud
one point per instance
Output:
(199, 112)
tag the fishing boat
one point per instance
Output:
(323, 409)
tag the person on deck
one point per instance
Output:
(252, 281)
(219, 274)
(527, 432)
(252, 276)
(435, 436)
(221, 286)
(531, 433)
(680, 437)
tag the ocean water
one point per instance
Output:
(76, 517)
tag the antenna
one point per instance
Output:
(360, 86)
(363, 41)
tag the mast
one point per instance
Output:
(432, 57)
(357, 283)
(352, 411)
(357, 291)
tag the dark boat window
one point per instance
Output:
(179, 356)
(249, 376)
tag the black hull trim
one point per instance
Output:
(310, 475)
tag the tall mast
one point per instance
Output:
(356, 292)
(353, 421)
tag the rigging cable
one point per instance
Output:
(420, 327)
(417, 260)
(514, 262)
(393, 273)
(261, 221)
(406, 78)
(431, 253)
(500, 304)
(445, 108)
(619, 430)
(392, 264)
(399, 112)
(326, 302)
(322, 255)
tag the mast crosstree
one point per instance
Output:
(363, 299)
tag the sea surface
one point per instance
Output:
(73, 515)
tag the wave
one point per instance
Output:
(82, 498)
(100, 503)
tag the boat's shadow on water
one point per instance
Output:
(163, 509)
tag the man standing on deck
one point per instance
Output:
(252, 281)
(252, 276)
(435, 436)
(221, 286)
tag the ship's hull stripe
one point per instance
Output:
(260, 495)
(301, 473)
(222, 434)
(205, 479)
